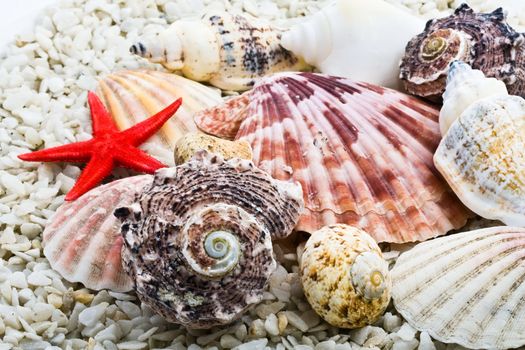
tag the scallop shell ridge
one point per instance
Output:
(132, 96)
(362, 153)
(467, 288)
(83, 241)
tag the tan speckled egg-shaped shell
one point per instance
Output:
(191, 143)
(345, 277)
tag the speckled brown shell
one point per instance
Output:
(484, 41)
(165, 230)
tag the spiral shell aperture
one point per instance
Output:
(198, 242)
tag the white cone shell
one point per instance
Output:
(359, 39)
(467, 288)
(464, 87)
(83, 241)
(482, 157)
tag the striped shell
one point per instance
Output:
(83, 241)
(467, 288)
(362, 153)
(197, 242)
(132, 96)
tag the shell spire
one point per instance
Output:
(227, 50)
(464, 87)
(362, 153)
(484, 41)
(341, 40)
(198, 241)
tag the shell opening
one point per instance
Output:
(433, 48)
(369, 275)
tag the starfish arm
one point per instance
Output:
(102, 123)
(95, 171)
(136, 159)
(147, 128)
(73, 152)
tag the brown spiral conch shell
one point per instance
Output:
(197, 242)
(484, 41)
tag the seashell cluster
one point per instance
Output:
(465, 288)
(342, 40)
(227, 50)
(192, 143)
(83, 240)
(197, 242)
(362, 153)
(344, 276)
(485, 41)
(482, 155)
(132, 96)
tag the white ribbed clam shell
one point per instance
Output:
(359, 39)
(83, 241)
(464, 87)
(467, 288)
(133, 96)
(482, 157)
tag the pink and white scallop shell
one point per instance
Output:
(362, 153)
(83, 241)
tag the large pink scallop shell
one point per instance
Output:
(83, 241)
(362, 153)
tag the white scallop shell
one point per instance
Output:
(83, 241)
(464, 87)
(482, 157)
(359, 39)
(467, 288)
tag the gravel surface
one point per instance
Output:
(44, 79)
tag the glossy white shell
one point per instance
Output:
(467, 288)
(359, 39)
(464, 87)
(83, 241)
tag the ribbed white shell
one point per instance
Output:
(83, 241)
(133, 96)
(467, 288)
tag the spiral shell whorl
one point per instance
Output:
(483, 40)
(197, 242)
(369, 275)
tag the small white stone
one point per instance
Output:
(253, 345)
(37, 278)
(425, 342)
(7, 237)
(405, 345)
(271, 324)
(91, 315)
(391, 322)
(228, 341)
(129, 308)
(406, 332)
(18, 280)
(326, 345)
(132, 345)
(296, 321)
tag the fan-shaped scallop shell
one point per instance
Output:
(362, 153)
(344, 276)
(467, 288)
(83, 241)
(132, 96)
(485, 41)
(482, 155)
(197, 242)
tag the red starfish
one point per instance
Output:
(107, 148)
